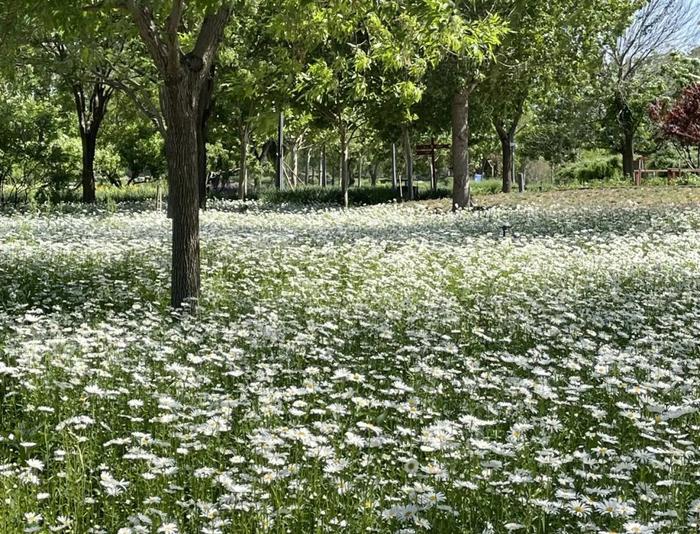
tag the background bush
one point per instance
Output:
(592, 166)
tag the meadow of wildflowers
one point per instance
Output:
(385, 369)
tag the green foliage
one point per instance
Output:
(135, 140)
(62, 168)
(486, 187)
(591, 167)
(111, 196)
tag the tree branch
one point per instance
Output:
(149, 34)
(210, 35)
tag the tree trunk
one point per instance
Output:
(359, 173)
(340, 167)
(628, 152)
(183, 77)
(91, 110)
(625, 118)
(373, 171)
(89, 144)
(408, 158)
(204, 109)
(344, 168)
(461, 193)
(181, 150)
(243, 170)
(307, 171)
(323, 176)
(256, 183)
(395, 185)
(506, 161)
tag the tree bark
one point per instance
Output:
(182, 155)
(89, 147)
(183, 77)
(506, 129)
(279, 169)
(243, 168)
(373, 171)
(506, 160)
(295, 163)
(204, 110)
(395, 185)
(628, 152)
(625, 119)
(461, 193)
(307, 171)
(359, 173)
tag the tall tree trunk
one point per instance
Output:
(323, 176)
(89, 146)
(91, 110)
(307, 171)
(373, 171)
(182, 156)
(625, 118)
(395, 185)
(243, 164)
(628, 151)
(340, 167)
(408, 159)
(182, 80)
(506, 160)
(506, 129)
(204, 110)
(461, 193)
(344, 167)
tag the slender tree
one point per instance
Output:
(478, 32)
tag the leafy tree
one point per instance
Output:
(366, 60)
(559, 126)
(680, 122)
(550, 47)
(136, 140)
(30, 137)
(250, 77)
(181, 39)
(474, 32)
(73, 57)
(657, 28)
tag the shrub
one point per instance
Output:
(333, 195)
(593, 166)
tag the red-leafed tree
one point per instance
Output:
(680, 122)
